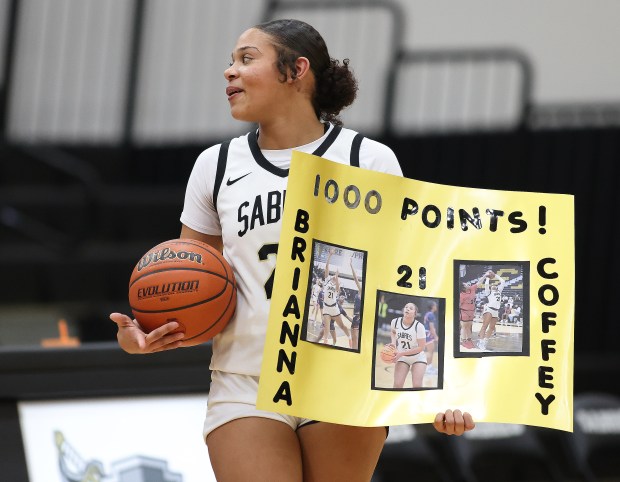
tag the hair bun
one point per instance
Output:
(336, 88)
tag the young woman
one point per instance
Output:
(409, 338)
(332, 325)
(317, 287)
(490, 313)
(467, 308)
(357, 309)
(331, 308)
(430, 322)
(282, 78)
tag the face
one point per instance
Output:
(410, 310)
(253, 89)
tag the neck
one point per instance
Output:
(286, 132)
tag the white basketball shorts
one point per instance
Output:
(233, 396)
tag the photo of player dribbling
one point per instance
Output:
(408, 342)
(491, 303)
(333, 315)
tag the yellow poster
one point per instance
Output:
(395, 299)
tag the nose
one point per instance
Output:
(230, 73)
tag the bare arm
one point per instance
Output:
(357, 283)
(337, 281)
(327, 264)
(502, 283)
(215, 241)
(412, 351)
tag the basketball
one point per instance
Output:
(186, 281)
(387, 353)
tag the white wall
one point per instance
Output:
(573, 44)
(70, 73)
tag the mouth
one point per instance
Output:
(232, 91)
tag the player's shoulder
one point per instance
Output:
(375, 155)
(211, 153)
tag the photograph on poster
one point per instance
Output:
(408, 342)
(491, 308)
(334, 301)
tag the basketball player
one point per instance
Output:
(283, 79)
(331, 308)
(357, 310)
(409, 338)
(490, 314)
(332, 324)
(467, 307)
(507, 308)
(430, 322)
(317, 287)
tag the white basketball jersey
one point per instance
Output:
(407, 338)
(244, 206)
(494, 296)
(330, 295)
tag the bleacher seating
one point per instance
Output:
(495, 452)
(411, 454)
(594, 446)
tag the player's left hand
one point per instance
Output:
(134, 340)
(453, 422)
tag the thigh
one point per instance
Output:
(256, 449)
(417, 374)
(401, 369)
(336, 453)
(486, 317)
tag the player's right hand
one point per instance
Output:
(132, 338)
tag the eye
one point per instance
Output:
(246, 59)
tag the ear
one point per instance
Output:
(302, 67)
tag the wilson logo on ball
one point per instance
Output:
(186, 281)
(167, 254)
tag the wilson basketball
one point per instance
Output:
(186, 281)
(388, 352)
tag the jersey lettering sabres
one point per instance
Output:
(265, 209)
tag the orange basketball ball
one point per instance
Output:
(186, 281)
(388, 352)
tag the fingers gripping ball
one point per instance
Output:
(186, 281)
(388, 352)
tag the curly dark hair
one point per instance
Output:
(336, 86)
